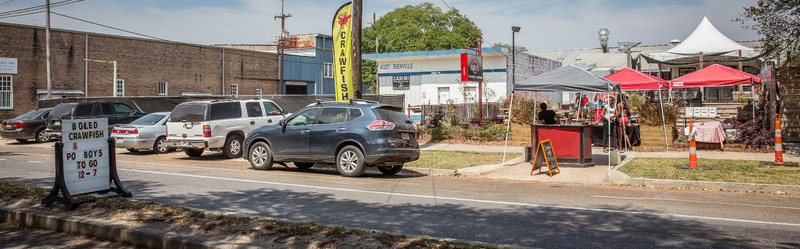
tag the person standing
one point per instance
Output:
(623, 116)
(609, 119)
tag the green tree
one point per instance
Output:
(778, 21)
(416, 28)
(520, 49)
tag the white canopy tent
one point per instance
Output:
(707, 40)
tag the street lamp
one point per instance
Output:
(514, 30)
(626, 47)
(603, 36)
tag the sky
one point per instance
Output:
(545, 24)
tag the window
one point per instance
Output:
(120, 108)
(234, 90)
(333, 116)
(259, 93)
(119, 88)
(84, 110)
(107, 108)
(6, 92)
(271, 109)
(304, 118)
(327, 70)
(354, 114)
(253, 109)
(162, 88)
(225, 111)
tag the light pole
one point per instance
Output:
(626, 47)
(514, 30)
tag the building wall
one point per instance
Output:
(141, 63)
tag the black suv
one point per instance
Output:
(352, 136)
(115, 112)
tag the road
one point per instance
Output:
(518, 214)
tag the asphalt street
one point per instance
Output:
(497, 211)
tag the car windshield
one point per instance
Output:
(392, 114)
(188, 113)
(62, 109)
(149, 119)
(29, 115)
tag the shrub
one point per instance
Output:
(635, 101)
(524, 105)
(650, 113)
(485, 133)
(753, 132)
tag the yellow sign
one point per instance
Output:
(342, 53)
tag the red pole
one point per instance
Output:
(409, 110)
(480, 88)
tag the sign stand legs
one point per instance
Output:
(60, 184)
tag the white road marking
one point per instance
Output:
(34, 162)
(679, 200)
(471, 200)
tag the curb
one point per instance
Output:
(102, 230)
(488, 168)
(428, 171)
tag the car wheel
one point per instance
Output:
(133, 150)
(260, 156)
(193, 152)
(160, 146)
(350, 161)
(41, 137)
(22, 140)
(390, 170)
(303, 165)
(233, 146)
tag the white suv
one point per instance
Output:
(218, 124)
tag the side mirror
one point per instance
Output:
(282, 122)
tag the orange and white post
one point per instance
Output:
(778, 142)
(692, 146)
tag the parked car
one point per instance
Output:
(352, 136)
(145, 133)
(30, 125)
(115, 112)
(218, 124)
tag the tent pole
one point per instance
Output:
(663, 123)
(508, 126)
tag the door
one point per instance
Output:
(295, 138)
(444, 95)
(255, 116)
(327, 132)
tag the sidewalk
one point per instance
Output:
(516, 169)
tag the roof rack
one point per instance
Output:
(352, 100)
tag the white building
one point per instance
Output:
(434, 77)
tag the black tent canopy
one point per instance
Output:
(566, 79)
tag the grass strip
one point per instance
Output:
(722, 171)
(442, 159)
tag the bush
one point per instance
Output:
(753, 132)
(650, 113)
(635, 101)
(485, 133)
(524, 105)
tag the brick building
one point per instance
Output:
(144, 68)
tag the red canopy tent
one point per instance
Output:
(715, 75)
(629, 79)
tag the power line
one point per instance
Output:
(106, 26)
(6, 2)
(448, 6)
(35, 9)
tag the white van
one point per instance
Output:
(218, 124)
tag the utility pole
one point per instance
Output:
(281, 47)
(47, 53)
(357, 13)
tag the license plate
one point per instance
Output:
(405, 136)
(119, 140)
(184, 143)
(57, 122)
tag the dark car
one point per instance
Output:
(115, 112)
(352, 136)
(30, 125)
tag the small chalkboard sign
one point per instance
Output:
(544, 153)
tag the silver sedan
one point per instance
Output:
(145, 133)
